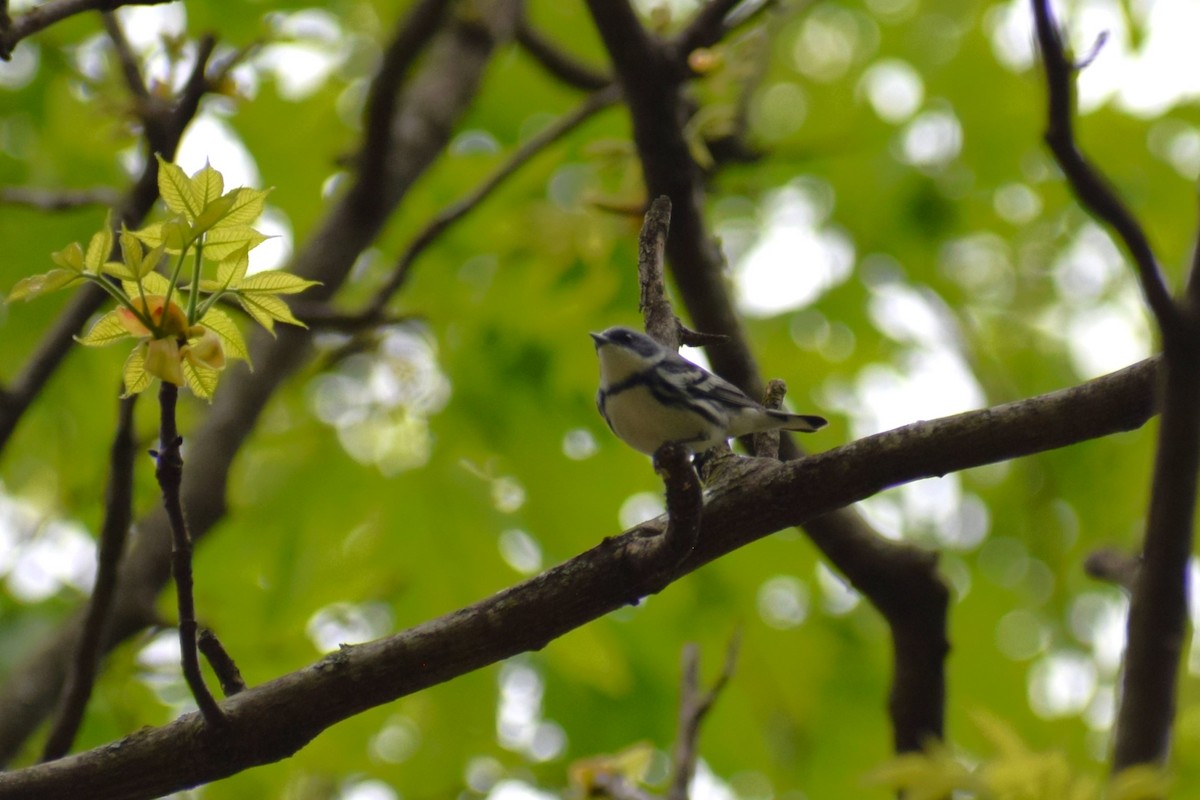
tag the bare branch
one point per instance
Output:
(58, 199)
(660, 320)
(126, 58)
(1089, 185)
(562, 66)
(595, 103)
(1113, 566)
(169, 472)
(412, 35)
(273, 720)
(766, 444)
(43, 16)
(694, 706)
(118, 513)
(221, 662)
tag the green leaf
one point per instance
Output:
(132, 251)
(34, 285)
(99, 248)
(176, 189)
(221, 242)
(223, 326)
(274, 281)
(119, 270)
(212, 214)
(232, 270)
(70, 257)
(105, 330)
(134, 373)
(152, 283)
(202, 380)
(208, 185)
(266, 309)
(172, 235)
(247, 206)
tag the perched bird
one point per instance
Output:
(650, 395)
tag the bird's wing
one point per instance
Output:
(702, 381)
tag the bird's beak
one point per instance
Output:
(597, 338)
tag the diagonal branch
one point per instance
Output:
(694, 706)
(596, 102)
(1089, 185)
(43, 16)
(273, 720)
(562, 66)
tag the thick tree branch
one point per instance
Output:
(43, 16)
(272, 721)
(118, 513)
(439, 93)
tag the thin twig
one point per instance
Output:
(222, 663)
(694, 705)
(706, 27)
(595, 103)
(1091, 188)
(118, 513)
(766, 444)
(1113, 566)
(58, 199)
(43, 16)
(170, 478)
(562, 66)
(125, 57)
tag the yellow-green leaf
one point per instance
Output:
(131, 252)
(176, 189)
(119, 270)
(274, 281)
(1143, 782)
(231, 270)
(171, 235)
(209, 185)
(152, 283)
(200, 379)
(70, 257)
(134, 373)
(221, 242)
(247, 206)
(98, 249)
(212, 213)
(105, 330)
(223, 326)
(150, 261)
(266, 309)
(34, 285)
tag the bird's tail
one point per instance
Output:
(806, 423)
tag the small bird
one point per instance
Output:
(650, 395)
